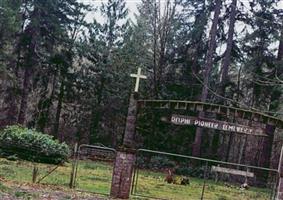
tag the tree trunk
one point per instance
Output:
(199, 30)
(264, 160)
(11, 114)
(231, 138)
(242, 149)
(12, 97)
(280, 55)
(224, 79)
(45, 111)
(280, 48)
(95, 119)
(208, 67)
(58, 111)
(30, 61)
(24, 96)
(155, 37)
(96, 114)
(268, 143)
(227, 58)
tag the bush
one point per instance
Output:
(161, 162)
(155, 162)
(184, 171)
(31, 145)
(197, 172)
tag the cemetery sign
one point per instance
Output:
(215, 124)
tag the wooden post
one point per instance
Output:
(34, 173)
(279, 195)
(74, 164)
(216, 175)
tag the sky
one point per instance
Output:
(132, 6)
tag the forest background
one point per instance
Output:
(67, 75)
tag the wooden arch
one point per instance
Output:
(212, 108)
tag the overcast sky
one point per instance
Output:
(132, 6)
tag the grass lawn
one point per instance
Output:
(152, 184)
(96, 177)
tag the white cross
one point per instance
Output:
(138, 77)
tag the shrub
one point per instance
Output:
(192, 171)
(197, 172)
(155, 162)
(161, 162)
(185, 171)
(27, 144)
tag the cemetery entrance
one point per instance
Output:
(199, 178)
(143, 172)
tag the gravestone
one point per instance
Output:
(125, 157)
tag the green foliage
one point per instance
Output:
(3, 188)
(78, 72)
(89, 166)
(108, 67)
(156, 163)
(27, 144)
(189, 171)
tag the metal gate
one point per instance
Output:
(92, 169)
(195, 178)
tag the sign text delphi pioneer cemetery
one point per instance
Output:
(214, 124)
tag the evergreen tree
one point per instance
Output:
(105, 41)
(10, 26)
(207, 70)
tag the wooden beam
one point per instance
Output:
(218, 125)
(213, 108)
